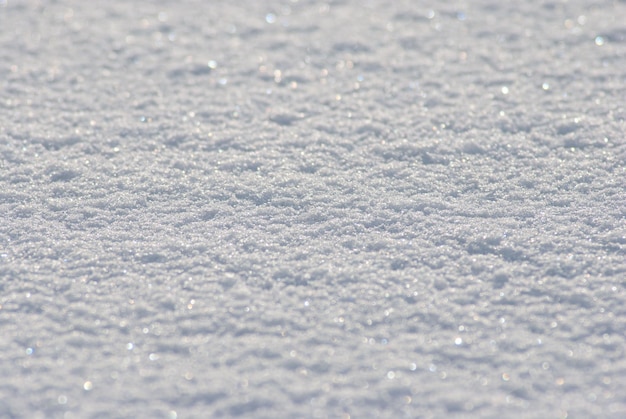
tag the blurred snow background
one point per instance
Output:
(312, 209)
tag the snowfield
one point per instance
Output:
(298, 208)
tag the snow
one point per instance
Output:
(300, 208)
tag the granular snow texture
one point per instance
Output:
(299, 208)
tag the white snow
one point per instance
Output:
(298, 208)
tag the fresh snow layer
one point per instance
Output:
(299, 208)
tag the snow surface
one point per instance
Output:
(299, 208)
